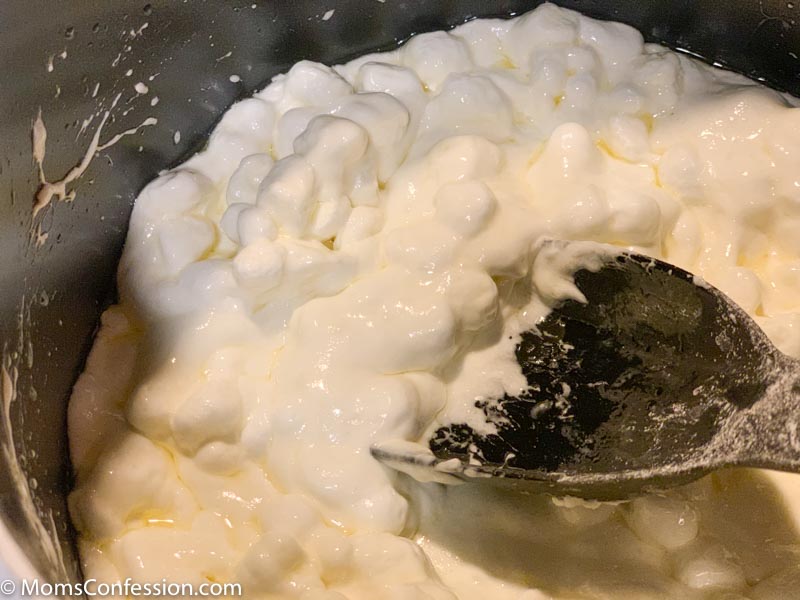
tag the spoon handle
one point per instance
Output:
(767, 435)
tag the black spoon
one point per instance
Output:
(666, 380)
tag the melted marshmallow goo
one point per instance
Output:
(349, 262)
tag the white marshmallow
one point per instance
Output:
(243, 184)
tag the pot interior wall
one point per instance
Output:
(71, 59)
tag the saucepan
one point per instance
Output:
(165, 71)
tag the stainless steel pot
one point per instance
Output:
(69, 60)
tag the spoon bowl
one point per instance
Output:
(653, 379)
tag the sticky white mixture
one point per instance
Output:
(345, 264)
